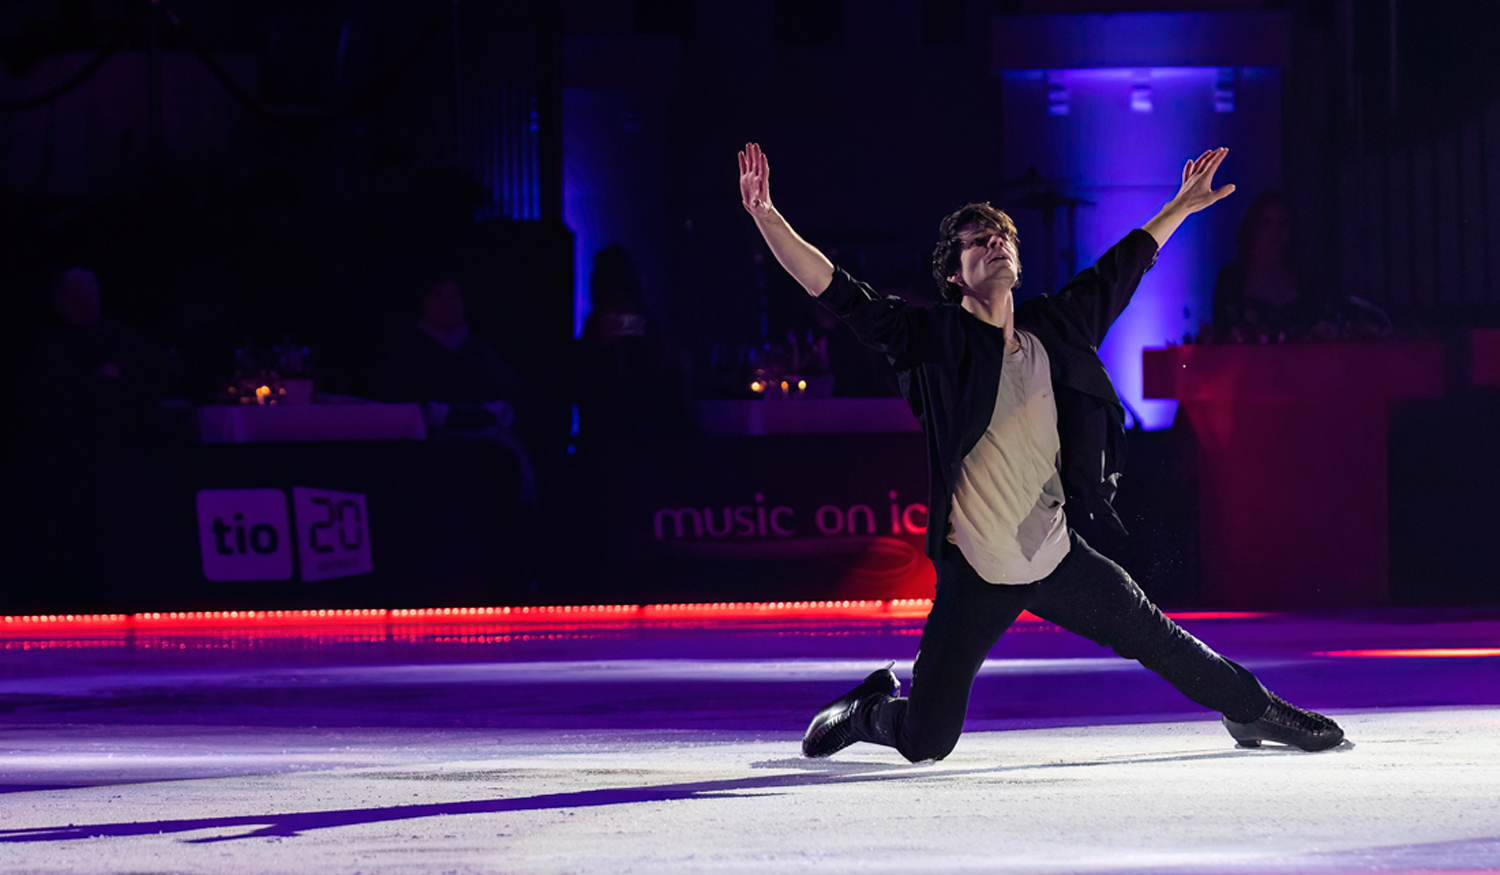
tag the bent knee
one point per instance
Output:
(928, 751)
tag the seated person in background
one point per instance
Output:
(626, 378)
(1266, 294)
(441, 363)
(95, 381)
(466, 388)
(93, 391)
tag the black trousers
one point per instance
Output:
(1088, 595)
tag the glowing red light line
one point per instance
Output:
(571, 614)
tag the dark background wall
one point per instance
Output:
(402, 113)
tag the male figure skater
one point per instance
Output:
(1020, 417)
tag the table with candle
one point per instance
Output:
(250, 423)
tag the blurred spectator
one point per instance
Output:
(628, 380)
(94, 387)
(95, 381)
(440, 359)
(1267, 295)
(467, 390)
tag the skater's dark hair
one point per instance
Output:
(949, 245)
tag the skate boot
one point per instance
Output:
(837, 724)
(1287, 724)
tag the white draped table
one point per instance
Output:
(253, 423)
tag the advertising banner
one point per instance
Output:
(333, 534)
(243, 534)
(247, 534)
(791, 517)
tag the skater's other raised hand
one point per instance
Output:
(802, 260)
(1197, 192)
(1198, 189)
(755, 182)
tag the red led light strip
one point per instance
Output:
(850, 609)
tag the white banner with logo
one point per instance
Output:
(251, 534)
(333, 539)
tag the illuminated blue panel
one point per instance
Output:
(613, 176)
(1117, 138)
(586, 183)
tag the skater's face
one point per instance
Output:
(988, 262)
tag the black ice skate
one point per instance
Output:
(1287, 724)
(834, 727)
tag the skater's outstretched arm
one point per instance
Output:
(801, 259)
(1197, 192)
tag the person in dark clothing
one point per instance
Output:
(465, 388)
(1020, 417)
(94, 386)
(1267, 294)
(95, 380)
(440, 359)
(627, 379)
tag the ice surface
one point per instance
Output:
(677, 751)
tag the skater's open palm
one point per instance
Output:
(1198, 189)
(755, 182)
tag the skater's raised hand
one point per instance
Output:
(755, 182)
(802, 260)
(1197, 192)
(1198, 189)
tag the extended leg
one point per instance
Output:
(1091, 596)
(1095, 598)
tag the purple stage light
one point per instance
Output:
(1105, 147)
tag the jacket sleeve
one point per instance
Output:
(907, 334)
(1099, 294)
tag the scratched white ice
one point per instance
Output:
(1417, 793)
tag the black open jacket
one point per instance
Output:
(948, 362)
